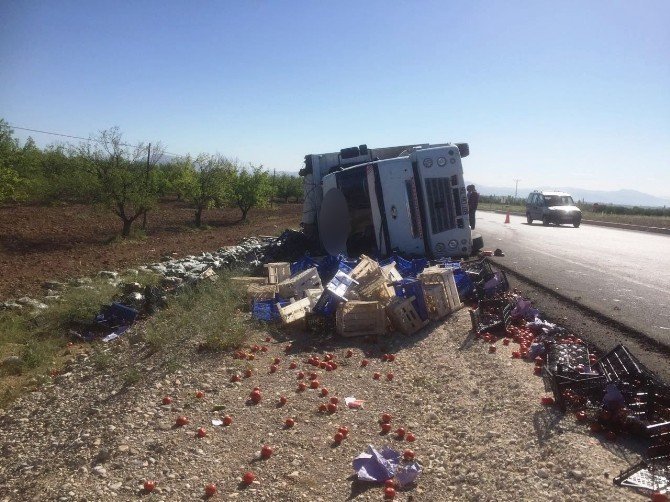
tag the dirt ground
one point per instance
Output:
(60, 242)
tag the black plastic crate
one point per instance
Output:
(479, 270)
(491, 315)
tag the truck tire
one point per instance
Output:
(477, 243)
(545, 221)
(463, 149)
(529, 219)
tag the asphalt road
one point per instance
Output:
(622, 274)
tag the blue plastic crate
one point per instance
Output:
(413, 287)
(326, 304)
(266, 310)
(303, 264)
(345, 264)
(327, 267)
(410, 268)
(465, 286)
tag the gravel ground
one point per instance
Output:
(481, 431)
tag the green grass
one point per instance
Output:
(38, 338)
(208, 314)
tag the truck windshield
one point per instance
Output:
(558, 200)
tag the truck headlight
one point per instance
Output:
(427, 162)
(441, 161)
(453, 244)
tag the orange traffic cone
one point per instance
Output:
(507, 217)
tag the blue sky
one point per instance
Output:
(553, 93)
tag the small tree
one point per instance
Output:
(9, 152)
(203, 182)
(249, 188)
(125, 182)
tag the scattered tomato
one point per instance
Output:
(289, 422)
(334, 400)
(282, 400)
(323, 408)
(167, 400)
(248, 478)
(400, 432)
(410, 437)
(266, 451)
(376, 376)
(338, 437)
(344, 431)
(389, 376)
(201, 432)
(273, 368)
(227, 420)
(292, 366)
(199, 394)
(364, 362)
(408, 455)
(277, 360)
(332, 408)
(235, 378)
(324, 391)
(386, 417)
(255, 396)
(391, 358)
(386, 428)
(210, 489)
(492, 349)
(300, 375)
(389, 492)
(248, 373)
(302, 386)
(181, 421)
(149, 485)
(350, 353)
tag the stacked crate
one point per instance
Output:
(278, 272)
(404, 316)
(297, 285)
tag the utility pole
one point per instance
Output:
(516, 189)
(146, 182)
(274, 184)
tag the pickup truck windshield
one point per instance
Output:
(558, 200)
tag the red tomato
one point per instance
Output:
(334, 400)
(199, 394)
(324, 391)
(400, 432)
(227, 420)
(181, 421)
(282, 400)
(410, 437)
(210, 489)
(266, 451)
(408, 455)
(332, 408)
(201, 432)
(386, 417)
(167, 400)
(289, 423)
(248, 478)
(389, 492)
(386, 428)
(149, 485)
(338, 437)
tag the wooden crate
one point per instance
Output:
(403, 315)
(445, 278)
(357, 318)
(437, 302)
(378, 290)
(249, 280)
(297, 285)
(366, 271)
(295, 311)
(313, 294)
(257, 292)
(278, 271)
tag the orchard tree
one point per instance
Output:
(249, 187)
(9, 151)
(203, 182)
(127, 182)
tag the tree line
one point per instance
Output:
(131, 179)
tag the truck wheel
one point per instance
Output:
(545, 221)
(529, 219)
(576, 223)
(477, 243)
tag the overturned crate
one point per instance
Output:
(491, 316)
(404, 316)
(296, 311)
(259, 292)
(298, 284)
(444, 277)
(360, 318)
(567, 372)
(278, 272)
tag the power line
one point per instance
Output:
(78, 137)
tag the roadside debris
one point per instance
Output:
(378, 466)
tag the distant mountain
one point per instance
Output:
(620, 197)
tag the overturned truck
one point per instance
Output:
(407, 199)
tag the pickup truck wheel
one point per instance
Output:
(529, 219)
(576, 223)
(545, 221)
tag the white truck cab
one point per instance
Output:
(414, 203)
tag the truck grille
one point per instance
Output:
(440, 204)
